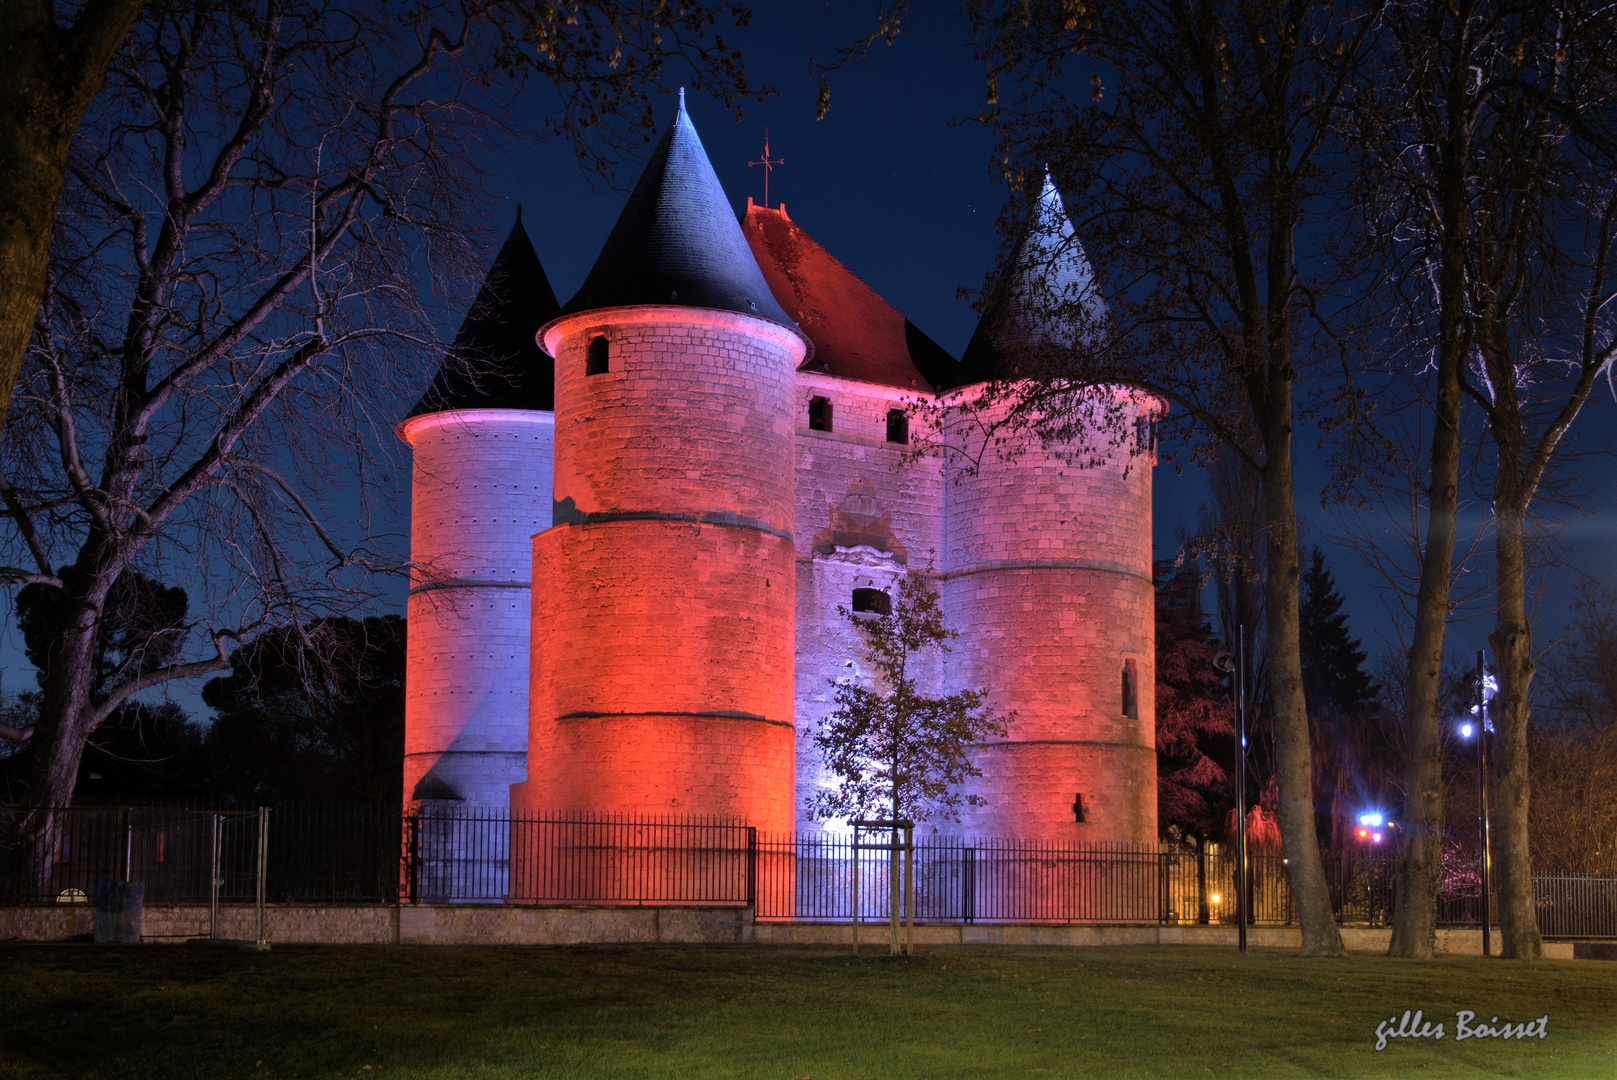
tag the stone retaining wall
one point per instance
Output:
(445, 924)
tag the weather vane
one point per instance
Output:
(769, 164)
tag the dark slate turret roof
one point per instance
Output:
(856, 334)
(1047, 298)
(678, 241)
(495, 362)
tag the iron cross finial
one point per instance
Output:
(769, 165)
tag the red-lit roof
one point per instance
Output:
(856, 334)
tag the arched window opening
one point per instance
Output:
(898, 427)
(872, 602)
(819, 414)
(1131, 691)
(598, 360)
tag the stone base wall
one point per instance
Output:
(450, 924)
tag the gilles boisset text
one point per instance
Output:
(1413, 1025)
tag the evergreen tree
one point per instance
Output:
(1333, 663)
(1195, 718)
(1352, 757)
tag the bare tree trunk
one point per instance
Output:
(1512, 642)
(59, 741)
(48, 77)
(1320, 936)
(1414, 924)
(1420, 842)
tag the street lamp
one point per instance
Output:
(1480, 729)
(1236, 667)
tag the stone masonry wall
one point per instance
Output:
(868, 513)
(1048, 575)
(662, 619)
(481, 487)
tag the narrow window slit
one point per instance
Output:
(598, 360)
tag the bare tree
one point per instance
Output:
(1192, 138)
(601, 55)
(1440, 134)
(1579, 692)
(256, 209)
(1540, 281)
(1574, 821)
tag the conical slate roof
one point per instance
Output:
(1047, 299)
(856, 334)
(678, 241)
(495, 362)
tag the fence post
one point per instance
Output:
(752, 869)
(909, 890)
(213, 885)
(129, 840)
(856, 890)
(263, 860)
(411, 859)
(968, 885)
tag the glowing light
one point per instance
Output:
(1372, 819)
(1216, 898)
(1376, 838)
(1466, 731)
(1364, 834)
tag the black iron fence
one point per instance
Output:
(360, 854)
(313, 854)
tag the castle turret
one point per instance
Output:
(482, 436)
(1048, 565)
(662, 647)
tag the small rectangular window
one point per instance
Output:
(597, 361)
(872, 601)
(1131, 691)
(819, 414)
(1145, 434)
(898, 427)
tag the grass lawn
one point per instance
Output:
(173, 1012)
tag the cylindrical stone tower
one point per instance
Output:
(662, 647)
(483, 438)
(1047, 576)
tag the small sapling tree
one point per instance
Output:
(892, 747)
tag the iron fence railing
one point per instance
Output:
(474, 855)
(367, 853)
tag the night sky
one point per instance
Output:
(896, 183)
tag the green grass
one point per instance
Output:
(200, 1011)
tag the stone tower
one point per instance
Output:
(483, 437)
(662, 645)
(1048, 569)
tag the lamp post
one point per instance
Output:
(1482, 797)
(1236, 666)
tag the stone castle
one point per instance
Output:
(628, 560)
